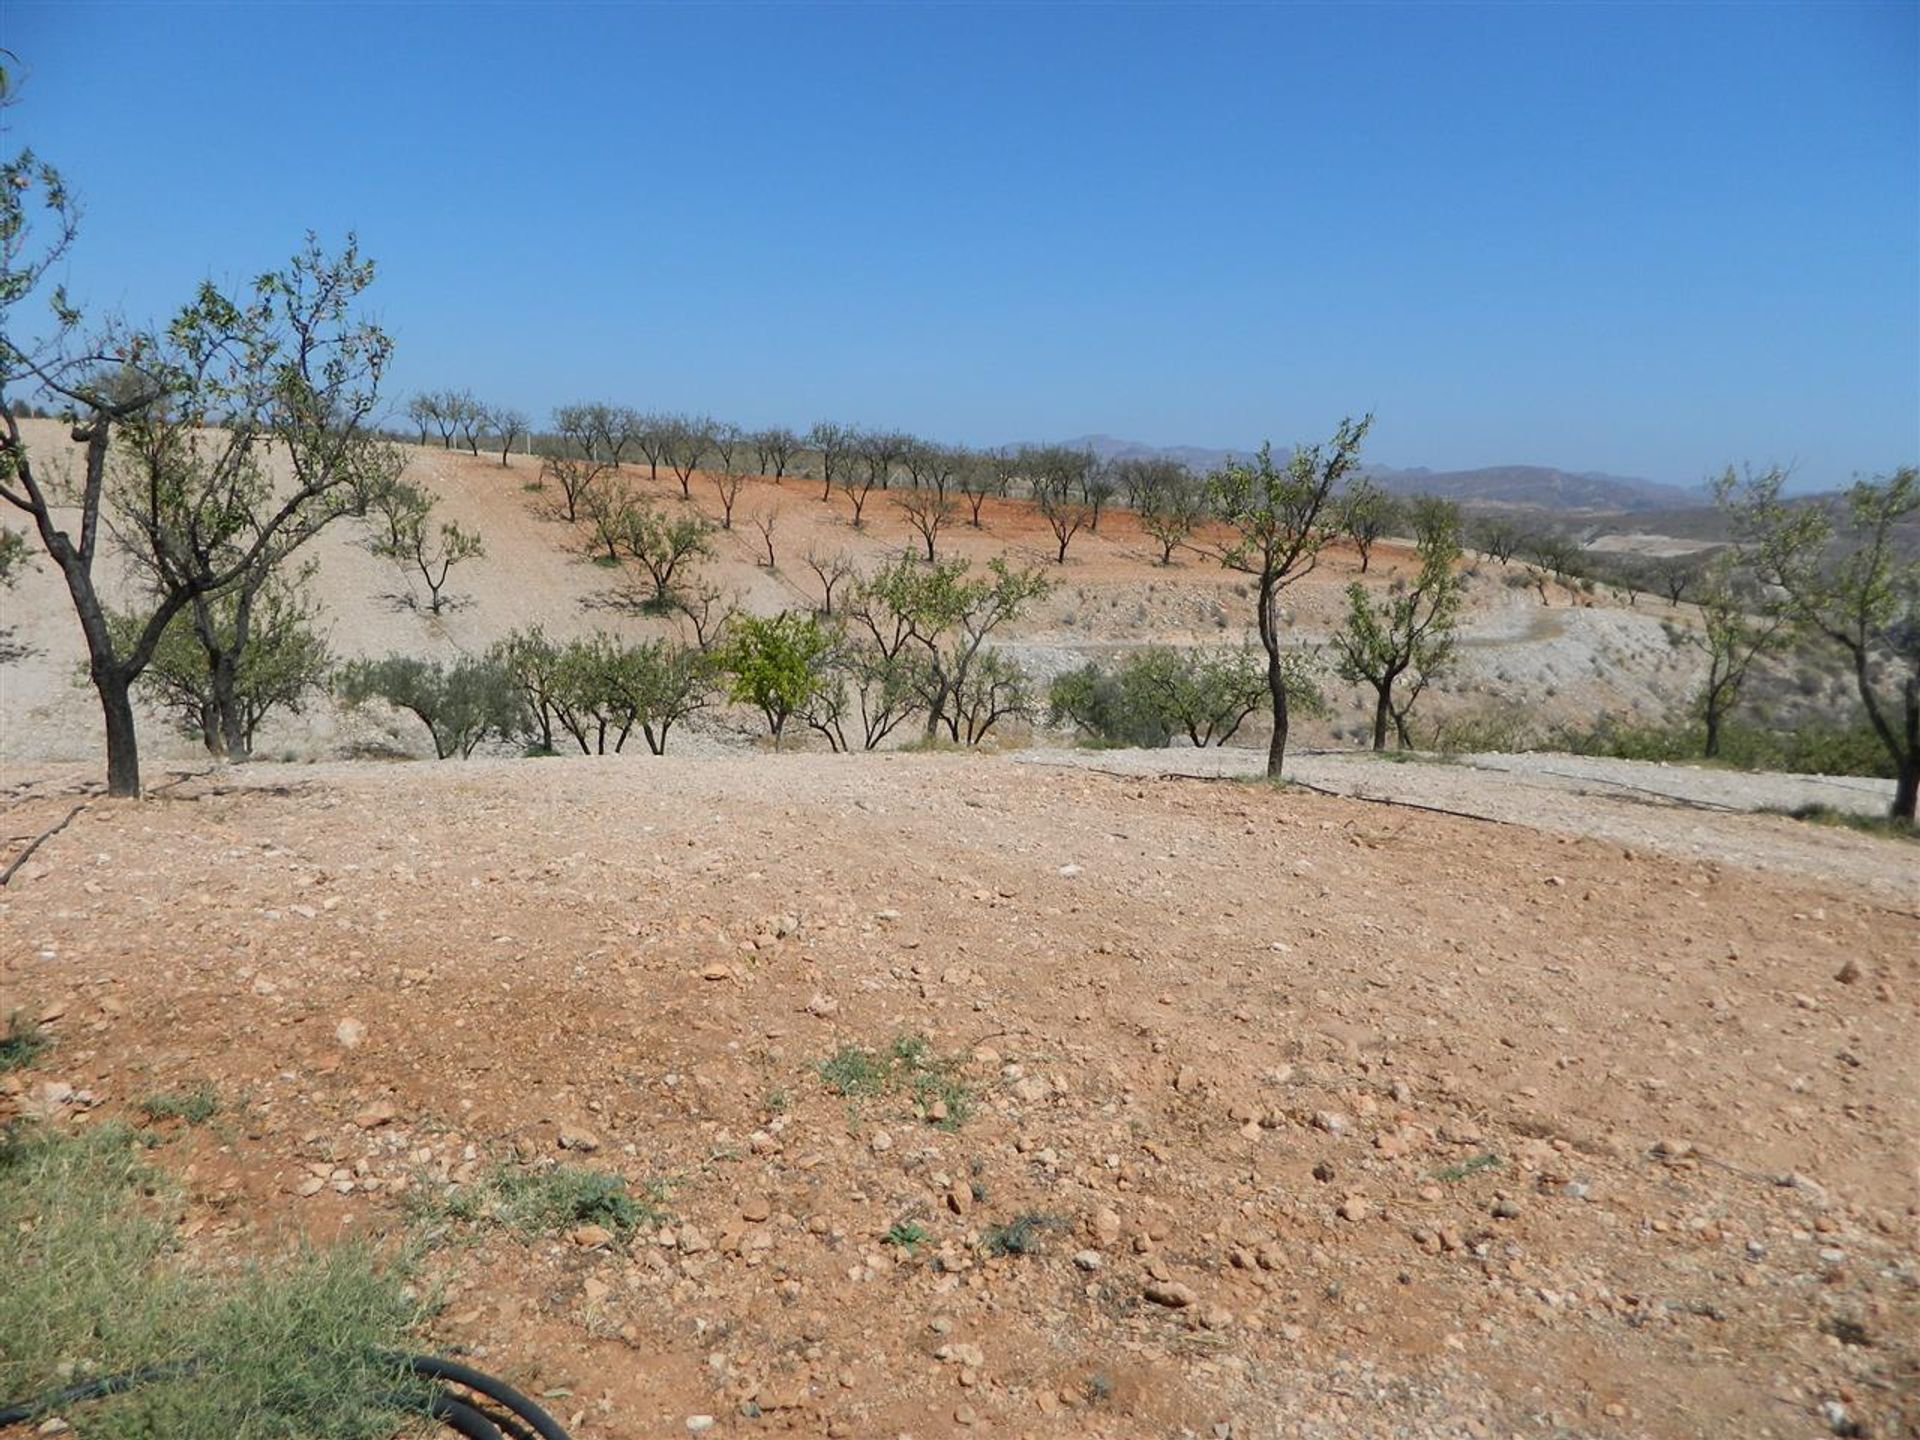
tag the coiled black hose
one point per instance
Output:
(509, 1416)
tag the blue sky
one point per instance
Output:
(1650, 239)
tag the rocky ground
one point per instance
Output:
(1267, 1112)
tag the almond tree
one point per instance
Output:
(1864, 601)
(1402, 641)
(1281, 518)
(1734, 632)
(1171, 510)
(982, 477)
(684, 440)
(1367, 514)
(830, 571)
(835, 445)
(774, 449)
(1059, 477)
(927, 510)
(875, 455)
(572, 461)
(509, 425)
(283, 365)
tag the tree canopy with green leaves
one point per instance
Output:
(1401, 641)
(1852, 588)
(1281, 517)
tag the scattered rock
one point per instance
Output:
(1088, 1260)
(1170, 1293)
(350, 1033)
(590, 1237)
(373, 1116)
(575, 1137)
(1849, 973)
(1355, 1208)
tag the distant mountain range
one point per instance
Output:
(1537, 487)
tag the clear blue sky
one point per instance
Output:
(1649, 239)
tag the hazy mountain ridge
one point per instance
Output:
(1541, 487)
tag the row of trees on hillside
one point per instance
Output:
(216, 448)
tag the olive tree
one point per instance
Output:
(282, 663)
(1864, 601)
(1280, 518)
(1401, 641)
(462, 704)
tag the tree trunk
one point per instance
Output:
(1382, 712)
(123, 744)
(1712, 747)
(1906, 788)
(1276, 677)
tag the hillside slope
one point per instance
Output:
(1562, 661)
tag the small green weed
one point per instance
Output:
(21, 1043)
(195, 1106)
(906, 1235)
(1451, 1173)
(939, 1095)
(1023, 1235)
(548, 1202)
(854, 1070)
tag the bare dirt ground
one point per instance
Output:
(1690, 811)
(1343, 1120)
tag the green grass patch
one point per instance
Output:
(22, 1041)
(195, 1106)
(911, 1067)
(1474, 1166)
(534, 1203)
(91, 1285)
(1023, 1235)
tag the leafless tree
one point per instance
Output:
(878, 452)
(829, 570)
(728, 484)
(687, 440)
(980, 477)
(764, 521)
(834, 444)
(509, 425)
(1058, 475)
(927, 510)
(774, 449)
(725, 441)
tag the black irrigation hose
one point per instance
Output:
(519, 1418)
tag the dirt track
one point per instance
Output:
(1687, 811)
(1249, 1048)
